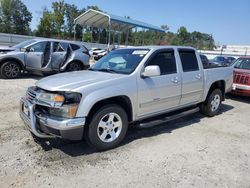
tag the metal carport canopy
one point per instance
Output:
(103, 20)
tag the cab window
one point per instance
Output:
(166, 62)
(188, 60)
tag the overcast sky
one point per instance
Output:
(227, 20)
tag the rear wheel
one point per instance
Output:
(212, 105)
(10, 70)
(108, 127)
(74, 66)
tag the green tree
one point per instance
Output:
(94, 7)
(15, 17)
(45, 27)
(1, 16)
(183, 36)
(72, 12)
(165, 27)
(58, 16)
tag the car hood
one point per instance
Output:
(75, 80)
(6, 49)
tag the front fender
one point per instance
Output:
(89, 100)
(17, 59)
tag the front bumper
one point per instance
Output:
(241, 89)
(50, 127)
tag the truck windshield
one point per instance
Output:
(122, 61)
(24, 44)
(242, 63)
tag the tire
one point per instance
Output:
(212, 105)
(107, 127)
(10, 70)
(74, 66)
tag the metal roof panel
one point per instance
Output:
(100, 19)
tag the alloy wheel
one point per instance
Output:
(11, 70)
(215, 103)
(109, 127)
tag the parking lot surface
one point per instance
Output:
(194, 151)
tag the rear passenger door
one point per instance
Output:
(160, 93)
(60, 52)
(192, 77)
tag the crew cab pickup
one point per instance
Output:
(127, 86)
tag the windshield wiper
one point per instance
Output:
(108, 70)
(104, 70)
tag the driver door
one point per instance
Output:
(35, 55)
(160, 93)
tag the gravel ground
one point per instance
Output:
(194, 151)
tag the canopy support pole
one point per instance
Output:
(74, 31)
(114, 33)
(99, 35)
(126, 42)
(119, 38)
(135, 40)
(91, 34)
(83, 33)
(109, 28)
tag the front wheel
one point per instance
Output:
(10, 70)
(212, 105)
(108, 127)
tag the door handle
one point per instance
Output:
(175, 80)
(198, 76)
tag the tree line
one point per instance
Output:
(59, 23)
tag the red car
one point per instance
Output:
(241, 83)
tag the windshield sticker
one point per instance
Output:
(140, 52)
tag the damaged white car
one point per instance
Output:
(41, 56)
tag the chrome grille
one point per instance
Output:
(241, 78)
(31, 94)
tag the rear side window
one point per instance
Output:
(74, 47)
(166, 62)
(188, 60)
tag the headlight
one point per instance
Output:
(69, 106)
(66, 111)
(50, 97)
(61, 104)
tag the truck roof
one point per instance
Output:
(162, 47)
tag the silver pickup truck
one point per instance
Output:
(132, 85)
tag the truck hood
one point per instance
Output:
(74, 80)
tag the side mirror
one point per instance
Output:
(24, 50)
(151, 70)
